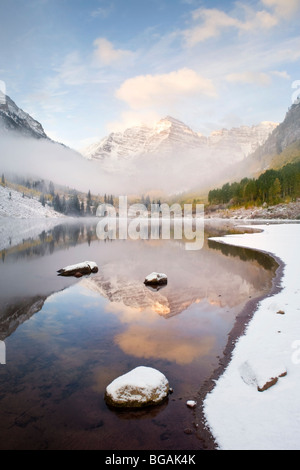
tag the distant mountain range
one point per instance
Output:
(170, 156)
(171, 137)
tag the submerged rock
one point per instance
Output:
(78, 270)
(156, 279)
(140, 387)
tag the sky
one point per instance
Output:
(85, 68)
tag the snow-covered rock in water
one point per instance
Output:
(78, 270)
(191, 404)
(140, 387)
(156, 279)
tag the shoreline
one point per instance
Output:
(288, 211)
(234, 414)
(204, 434)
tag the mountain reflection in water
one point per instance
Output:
(67, 339)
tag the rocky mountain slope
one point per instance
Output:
(281, 147)
(12, 118)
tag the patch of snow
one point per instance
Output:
(238, 415)
(84, 264)
(85, 267)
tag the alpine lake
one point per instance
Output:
(66, 339)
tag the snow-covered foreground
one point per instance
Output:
(238, 415)
(13, 204)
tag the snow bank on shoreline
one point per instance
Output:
(238, 415)
(284, 211)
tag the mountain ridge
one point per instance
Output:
(13, 118)
(280, 148)
(172, 135)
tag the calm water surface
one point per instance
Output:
(66, 339)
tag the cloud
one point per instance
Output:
(211, 23)
(156, 91)
(106, 54)
(256, 78)
(283, 8)
(252, 78)
(146, 342)
(102, 12)
(281, 74)
(73, 71)
(128, 119)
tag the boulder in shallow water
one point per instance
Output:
(191, 404)
(143, 386)
(78, 270)
(156, 279)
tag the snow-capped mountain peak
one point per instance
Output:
(13, 118)
(169, 135)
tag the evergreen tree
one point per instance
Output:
(276, 191)
(271, 187)
(51, 189)
(64, 205)
(42, 199)
(82, 208)
(88, 209)
(88, 204)
(89, 198)
(73, 206)
(57, 203)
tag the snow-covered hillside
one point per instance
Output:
(13, 204)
